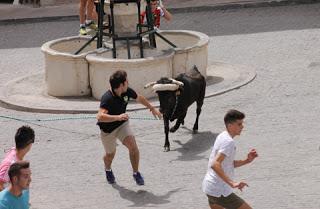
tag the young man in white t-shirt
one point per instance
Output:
(218, 182)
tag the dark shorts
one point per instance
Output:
(229, 202)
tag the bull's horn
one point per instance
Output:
(176, 82)
(149, 84)
(165, 87)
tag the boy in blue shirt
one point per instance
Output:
(16, 196)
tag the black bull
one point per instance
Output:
(176, 98)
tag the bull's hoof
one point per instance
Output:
(166, 149)
(173, 129)
(195, 131)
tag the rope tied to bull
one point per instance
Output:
(77, 117)
(175, 108)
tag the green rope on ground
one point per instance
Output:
(78, 117)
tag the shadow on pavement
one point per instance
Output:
(142, 198)
(198, 144)
(211, 80)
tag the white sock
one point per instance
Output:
(88, 21)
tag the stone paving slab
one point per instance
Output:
(28, 93)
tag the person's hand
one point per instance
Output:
(123, 116)
(252, 155)
(156, 113)
(240, 185)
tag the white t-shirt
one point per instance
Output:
(212, 184)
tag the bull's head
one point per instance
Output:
(167, 90)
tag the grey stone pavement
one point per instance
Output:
(66, 9)
(281, 104)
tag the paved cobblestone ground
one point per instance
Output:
(282, 124)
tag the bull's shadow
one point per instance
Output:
(198, 144)
(143, 198)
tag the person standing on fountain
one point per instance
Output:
(158, 11)
(114, 123)
(86, 16)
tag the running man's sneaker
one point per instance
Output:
(83, 31)
(92, 25)
(138, 178)
(110, 177)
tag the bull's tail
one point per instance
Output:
(195, 73)
(195, 68)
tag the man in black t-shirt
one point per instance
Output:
(114, 123)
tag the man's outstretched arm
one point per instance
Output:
(217, 167)
(142, 100)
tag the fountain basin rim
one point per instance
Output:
(203, 39)
(92, 57)
(46, 48)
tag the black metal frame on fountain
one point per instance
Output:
(151, 31)
(115, 37)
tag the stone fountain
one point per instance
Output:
(74, 82)
(87, 73)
